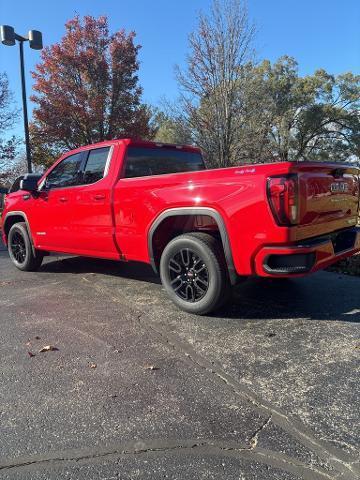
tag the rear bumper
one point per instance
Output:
(307, 256)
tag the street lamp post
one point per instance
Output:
(8, 37)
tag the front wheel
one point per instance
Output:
(20, 249)
(193, 272)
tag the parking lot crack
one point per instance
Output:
(187, 447)
(255, 438)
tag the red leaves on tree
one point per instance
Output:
(87, 88)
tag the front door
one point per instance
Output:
(54, 206)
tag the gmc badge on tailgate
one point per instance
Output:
(339, 187)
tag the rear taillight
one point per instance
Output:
(283, 198)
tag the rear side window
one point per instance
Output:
(66, 173)
(95, 165)
(141, 162)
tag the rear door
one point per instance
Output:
(92, 219)
(329, 197)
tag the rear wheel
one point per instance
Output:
(194, 273)
(20, 249)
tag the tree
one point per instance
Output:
(16, 168)
(289, 117)
(219, 48)
(278, 115)
(239, 111)
(87, 90)
(171, 128)
(8, 116)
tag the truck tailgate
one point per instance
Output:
(329, 198)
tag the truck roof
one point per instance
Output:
(139, 143)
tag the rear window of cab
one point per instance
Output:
(143, 162)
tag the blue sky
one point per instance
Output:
(318, 33)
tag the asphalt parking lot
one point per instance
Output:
(268, 388)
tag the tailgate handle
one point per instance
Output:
(338, 172)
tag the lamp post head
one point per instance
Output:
(35, 39)
(7, 35)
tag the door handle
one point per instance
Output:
(99, 196)
(63, 199)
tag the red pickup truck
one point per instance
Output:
(200, 229)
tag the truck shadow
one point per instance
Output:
(82, 265)
(322, 296)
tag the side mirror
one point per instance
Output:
(30, 182)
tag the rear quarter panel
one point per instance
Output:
(237, 194)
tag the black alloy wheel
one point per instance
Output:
(189, 276)
(194, 273)
(21, 251)
(18, 247)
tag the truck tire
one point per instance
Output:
(193, 272)
(21, 250)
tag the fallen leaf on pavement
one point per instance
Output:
(31, 354)
(253, 443)
(37, 337)
(48, 348)
(92, 365)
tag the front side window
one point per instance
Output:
(95, 165)
(66, 173)
(141, 162)
(16, 185)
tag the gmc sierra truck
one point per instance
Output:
(202, 230)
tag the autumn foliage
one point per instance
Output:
(87, 90)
